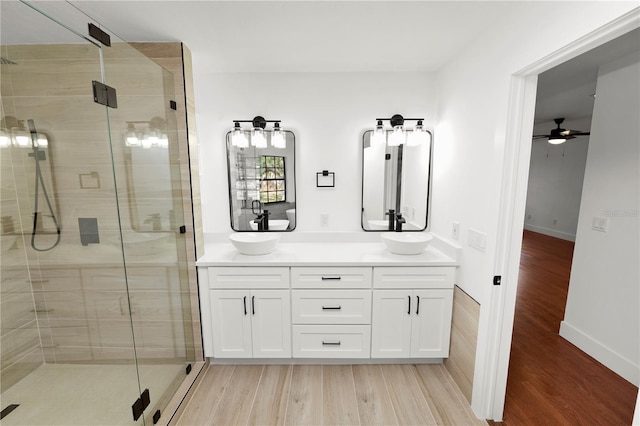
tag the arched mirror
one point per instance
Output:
(262, 184)
(395, 184)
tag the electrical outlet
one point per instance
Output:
(455, 231)
(324, 219)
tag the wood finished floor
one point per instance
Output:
(328, 395)
(552, 382)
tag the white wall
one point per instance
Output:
(471, 178)
(602, 316)
(328, 112)
(555, 181)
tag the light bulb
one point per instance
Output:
(378, 137)
(21, 140)
(258, 139)
(277, 137)
(42, 141)
(238, 137)
(5, 139)
(556, 141)
(397, 136)
(418, 137)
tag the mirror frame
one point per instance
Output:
(428, 193)
(295, 195)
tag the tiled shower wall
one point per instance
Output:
(72, 305)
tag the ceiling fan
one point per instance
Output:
(560, 135)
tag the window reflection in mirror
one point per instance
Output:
(262, 183)
(395, 178)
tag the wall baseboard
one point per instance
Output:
(606, 356)
(550, 232)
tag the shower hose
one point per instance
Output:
(40, 183)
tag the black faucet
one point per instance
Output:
(263, 221)
(399, 221)
(392, 215)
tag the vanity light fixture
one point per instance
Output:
(15, 134)
(258, 134)
(398, 134)
(147, 134)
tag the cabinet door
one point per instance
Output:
(271, 323)
(391, 324)
(231, 323)
(431, 326)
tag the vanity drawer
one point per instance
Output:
(414, 277)
(248, 277)
(331, 306)
(330, 277)
(331, 341)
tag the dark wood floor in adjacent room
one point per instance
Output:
(551, 382)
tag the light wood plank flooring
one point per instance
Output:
(328, 395)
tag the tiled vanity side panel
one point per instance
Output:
(464, 336)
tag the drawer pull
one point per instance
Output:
(409, 310)
(244, 303)
(418, 306)
(331, 308)
(331, 343)
(336, 277)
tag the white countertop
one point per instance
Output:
(322, 254)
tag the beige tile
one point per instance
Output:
(235, 404)
(18, 343)
(374, 403)
(339, 396)
(305, 396)
(203, 405)
(270, 402)
(409, 404)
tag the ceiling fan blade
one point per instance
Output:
(577, 133)
(540, 136)
(573, 132)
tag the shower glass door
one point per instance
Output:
(93, 292)
(144, 141)
(67, 341)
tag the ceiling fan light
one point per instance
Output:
(556, 140)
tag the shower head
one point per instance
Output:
(5, 61)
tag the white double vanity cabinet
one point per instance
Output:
(326, 301)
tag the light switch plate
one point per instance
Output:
(477, 239)
(600, 224)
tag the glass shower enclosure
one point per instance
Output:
(94, 301)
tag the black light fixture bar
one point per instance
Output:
(258, 121)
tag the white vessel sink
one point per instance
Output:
(406, 242)
(255, 243)
(378, 224)
(274, 225)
